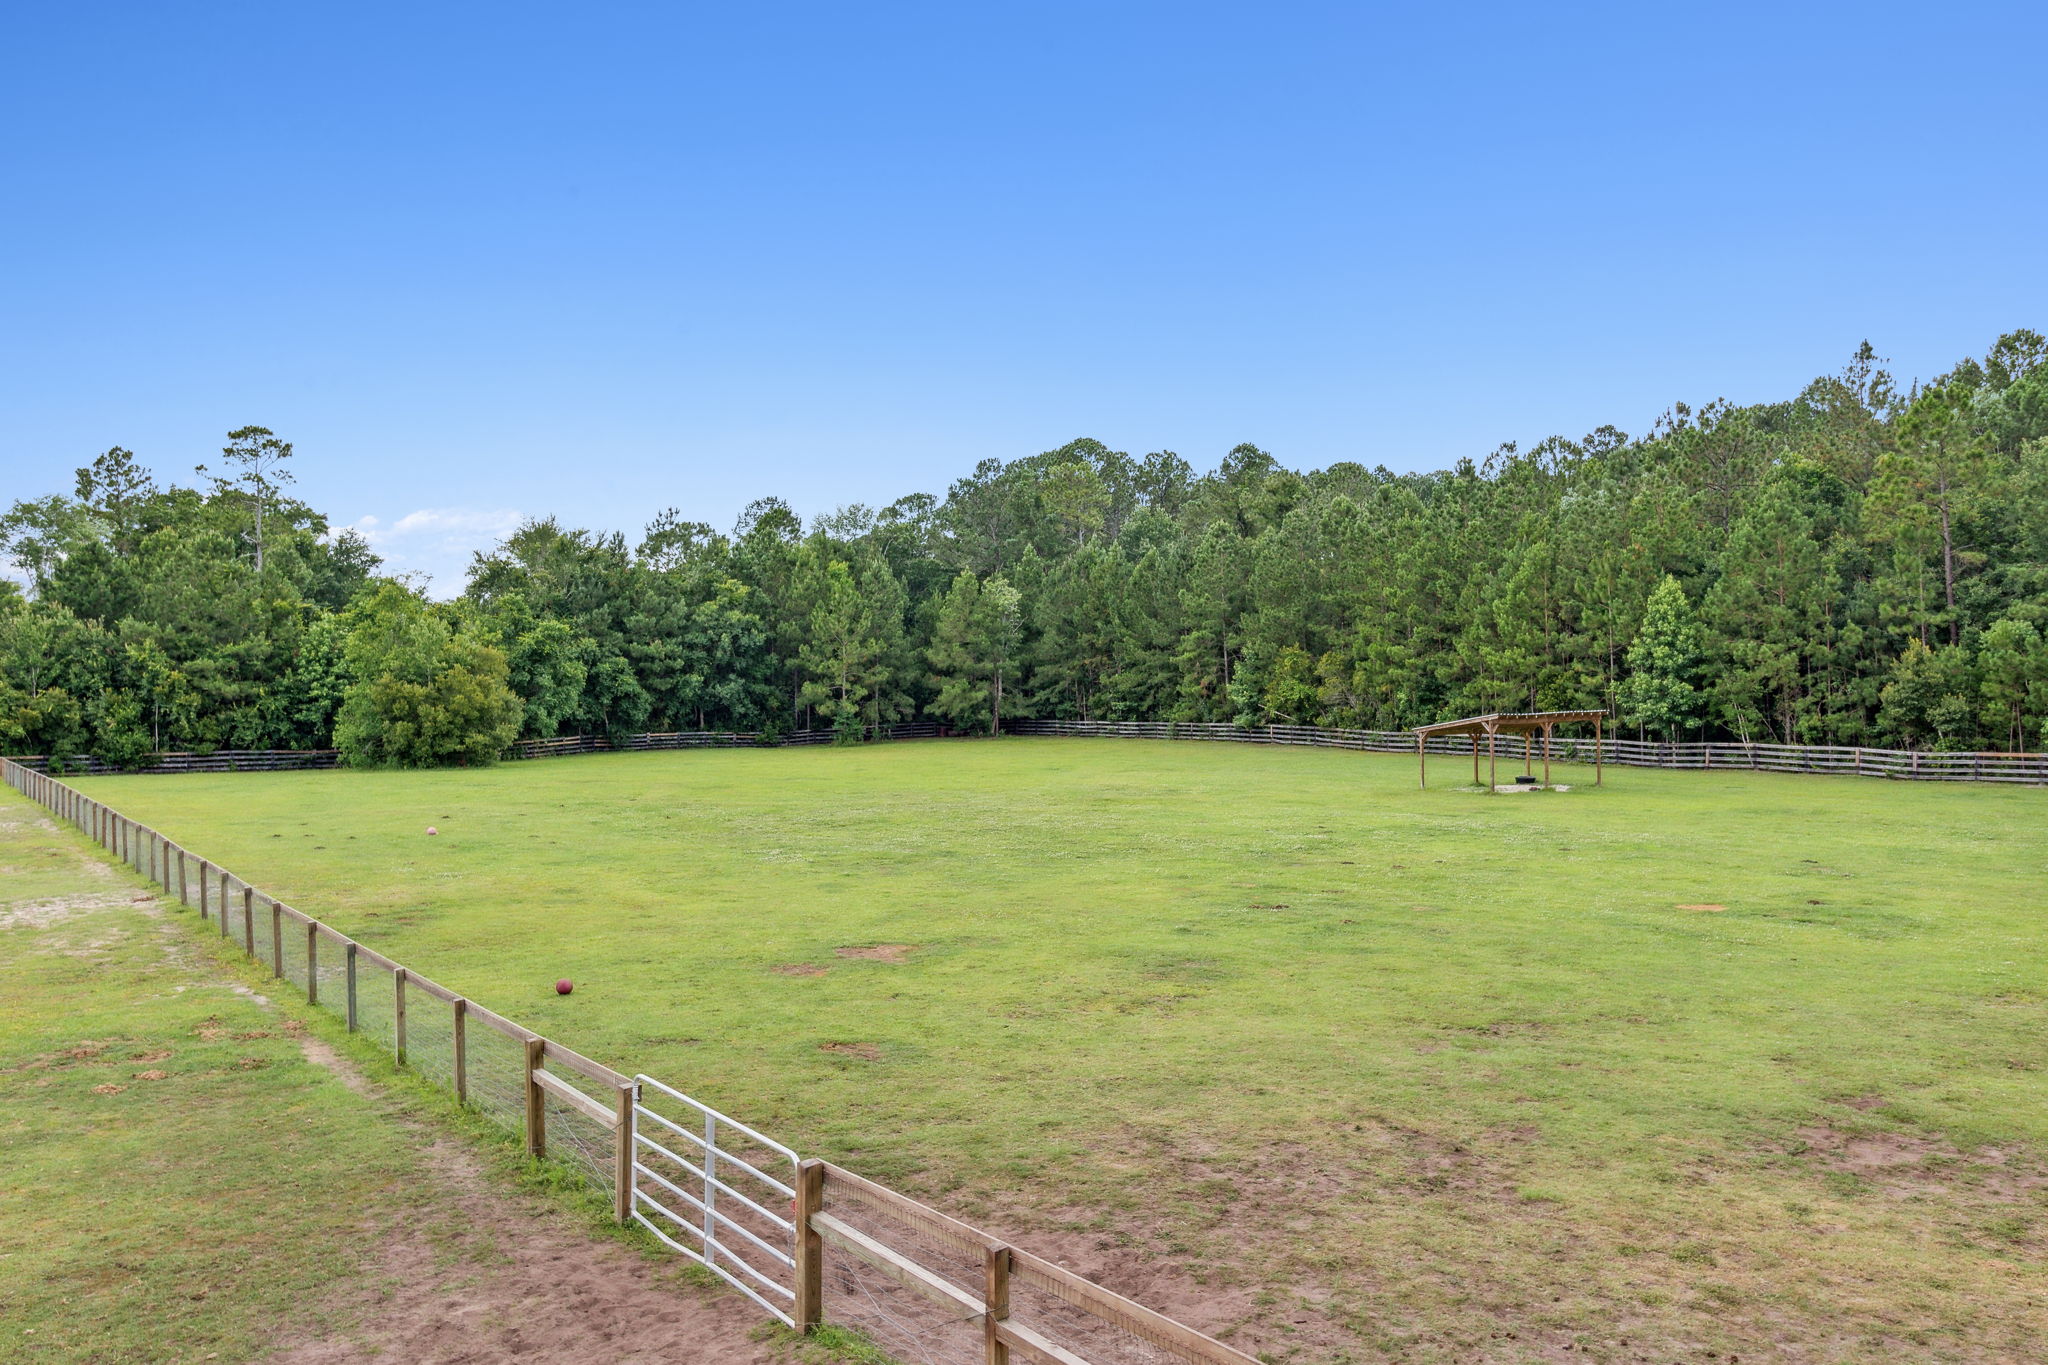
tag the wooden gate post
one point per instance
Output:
(995, 1298)
(536, 1101)
(809, 1308)
(312, 962)
(460, 1026)
(623, 1180)
(398, 1013)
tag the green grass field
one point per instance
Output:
(176, 1180)
(1696, 1062)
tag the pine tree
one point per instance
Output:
(1661, 692)
(2012, 672)
(974, 638)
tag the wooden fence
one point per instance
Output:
(1902, 764)
(982, 1298)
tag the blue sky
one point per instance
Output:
(480, 262)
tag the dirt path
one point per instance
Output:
(527, 1283)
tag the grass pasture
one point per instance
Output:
(177, 1181)
(1699, 1062)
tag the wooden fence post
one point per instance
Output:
(460, 1011)
(204, 867)
(536, 1102)
(623, 1154)
(809, 1308)
(277, 940)
(223, 903)
(398, 1013)
(351, 956)
(183, 888)
(312, 963)
(249, 920)
(995, 1298)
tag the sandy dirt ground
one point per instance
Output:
(525, 1283)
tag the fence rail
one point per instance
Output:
(1901, 764)
(704, 1184)
(1917, 765)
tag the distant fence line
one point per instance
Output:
(1903, 764)
(1913, 765)
(924, 1285)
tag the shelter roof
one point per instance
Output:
(1508, 723)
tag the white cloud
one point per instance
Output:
(437, 541)
(465, 523)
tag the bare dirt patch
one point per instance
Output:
(1906, 1165)
(537, 1287)
(879, 952)
(53, 910)
(1704, 908)
(867, 1052)
(798, 969)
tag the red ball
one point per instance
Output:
(564, 986)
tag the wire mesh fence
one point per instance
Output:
(576, 1139)
(911, 1326)
(497, 1075)
(808, 1241)
(430, 1039)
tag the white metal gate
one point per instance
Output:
(686, 1159)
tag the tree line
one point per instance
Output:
(1859, 564)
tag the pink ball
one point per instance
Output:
(432, 830)
(564, 986)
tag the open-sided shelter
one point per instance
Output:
(1509, 723)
